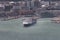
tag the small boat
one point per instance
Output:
(56, 20)
(29, 21)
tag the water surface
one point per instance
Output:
(43, 30)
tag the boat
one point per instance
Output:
(56, 20)
(29, 21)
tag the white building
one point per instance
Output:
(2, 7)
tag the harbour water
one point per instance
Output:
(43, 30)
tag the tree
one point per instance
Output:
(47, 15)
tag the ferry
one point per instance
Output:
(29, 21)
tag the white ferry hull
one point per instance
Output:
(27, 24)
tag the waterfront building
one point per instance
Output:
(36, 3)
(2, 7)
